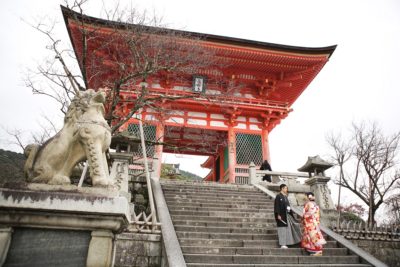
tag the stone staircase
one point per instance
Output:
(232, 225)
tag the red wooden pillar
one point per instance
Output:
(265, 144)
(231, 154)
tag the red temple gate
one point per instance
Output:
(225, 113)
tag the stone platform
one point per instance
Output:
(32, 212)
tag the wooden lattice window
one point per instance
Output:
(248, 149)
(149, 135)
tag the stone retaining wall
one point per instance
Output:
(138, 249)
(386, 251)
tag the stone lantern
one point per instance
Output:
(318, 182)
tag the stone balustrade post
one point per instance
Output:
(252, 173)
(156, 168)
(120, 172)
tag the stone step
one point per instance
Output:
(221, 188)
(223, 205)
(218, 199)
(214, 201)
(261, 243)
(173, 208)
(218, 194)
(268, 219)
(234, 226)
(225, 214)
(262, 259)
(190, 228)
(238, 243)
(276, 265)
(208, 189)
(229, 236)
(210, 186)
(258, 251)
(271, 225)
(197, 203)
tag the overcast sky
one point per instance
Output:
(358, 83)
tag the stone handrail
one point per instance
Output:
(365, 256)
(354, 230)
(173, 250)
(255, 175)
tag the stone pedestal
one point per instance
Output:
(5, 240)
(46, 211)
(100, 249)
(120, 171)
(252, 174)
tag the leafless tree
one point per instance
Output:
(20, 138)
(393, 204)
(131, 48)
(368, 164)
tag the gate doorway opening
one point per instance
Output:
(183, 166)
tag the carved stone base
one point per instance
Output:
(100, 249)
(5, 240)
(60, 208)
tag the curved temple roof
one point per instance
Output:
(270, 71)
(270, 76)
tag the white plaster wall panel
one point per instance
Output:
(176, 120)
(213, 92)
(197, 122)
(249, 96)
(241, 118)
(178, 113)
(197, 114)
(218, 124)
(254, 127)
(218, 116)
(240, 126)
(150, 118)
(251, 119)
(182, 88)
(156, 85)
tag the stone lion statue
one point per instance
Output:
(85, 135)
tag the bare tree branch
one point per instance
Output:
(370, 159)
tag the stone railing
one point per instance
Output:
(142, 220)
(256, 176)
(359, 230)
